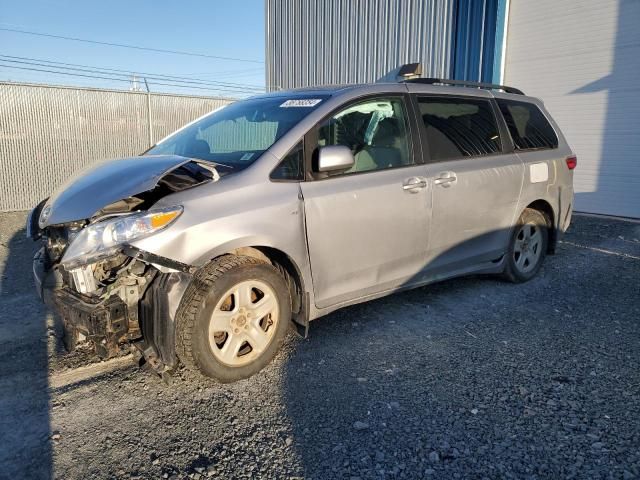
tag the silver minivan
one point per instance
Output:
(276, 210)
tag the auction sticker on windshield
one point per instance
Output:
(301, 102)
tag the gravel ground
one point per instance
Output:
(471, 378)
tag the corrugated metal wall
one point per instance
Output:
(583, 60)
(47, 133)
(474, 32)
(316, 42)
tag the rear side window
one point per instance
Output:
(459, 127)
(527, 125)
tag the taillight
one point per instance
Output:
(572, 161)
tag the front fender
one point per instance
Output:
(263, 214)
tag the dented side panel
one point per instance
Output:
(240, 210)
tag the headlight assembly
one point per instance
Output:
(103, 238)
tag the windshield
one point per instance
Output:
(236, 135)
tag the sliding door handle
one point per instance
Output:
(414, 184)
(445, 179)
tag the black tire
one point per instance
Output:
(515, 271)
(201, 297)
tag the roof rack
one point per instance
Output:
(445, 81)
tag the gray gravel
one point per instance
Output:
(471, 378)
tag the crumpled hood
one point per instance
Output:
(100, 185)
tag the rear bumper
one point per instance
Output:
(566, 209)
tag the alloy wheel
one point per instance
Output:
(243, 323)
(528, 247)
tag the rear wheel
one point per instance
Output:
(233, 318)
(528, 246)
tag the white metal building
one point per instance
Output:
(581, 57)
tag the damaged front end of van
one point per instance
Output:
(104, 289)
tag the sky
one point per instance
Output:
(228, 28)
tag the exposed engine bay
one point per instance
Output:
(105, 296)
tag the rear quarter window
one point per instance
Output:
(529, 128)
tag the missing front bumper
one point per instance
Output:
(45, 279)
(139, 309)
(105, 323)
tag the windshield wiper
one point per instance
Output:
(221, 164)
(210, 162)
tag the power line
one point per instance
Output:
(226, 73)
(148, 75)
(258, 73)
(127, 78)
(109, 78)
(134, 47)
(126, 73)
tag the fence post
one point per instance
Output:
(149, 118)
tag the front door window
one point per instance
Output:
(376, 131)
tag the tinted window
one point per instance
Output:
(527, 125)
(459, 127)
(291, 167)
(375, 130)
(238, 134)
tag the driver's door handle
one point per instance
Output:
(414, 184)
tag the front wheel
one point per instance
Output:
(528, 246)
(233, 318)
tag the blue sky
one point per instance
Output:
(216, 27)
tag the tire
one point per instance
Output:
(221, 311)
(527, 246)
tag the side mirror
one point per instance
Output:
(335, 157)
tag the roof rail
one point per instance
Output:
(445, 81)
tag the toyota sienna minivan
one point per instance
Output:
(276, 210)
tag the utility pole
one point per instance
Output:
(135, 86)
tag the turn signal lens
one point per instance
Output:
(572, 162)
(159, 220)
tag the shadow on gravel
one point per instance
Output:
(477, 378)
(25, 445)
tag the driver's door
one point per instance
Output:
(367, 227)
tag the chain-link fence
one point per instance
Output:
(47, 132)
